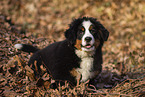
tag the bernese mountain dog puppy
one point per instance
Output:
(79, 54)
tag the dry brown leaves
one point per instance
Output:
(124, 53)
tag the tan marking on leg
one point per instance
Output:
(75, 74)
(78, 44)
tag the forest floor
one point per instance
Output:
(42, 22)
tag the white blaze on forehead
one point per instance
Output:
(86, 25)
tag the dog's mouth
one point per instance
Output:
(88, 46)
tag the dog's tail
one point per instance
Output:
(26, 48)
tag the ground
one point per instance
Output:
(42, 22)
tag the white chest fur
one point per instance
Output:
(86, 64)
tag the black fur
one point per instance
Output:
(60, 58)
(29, 48)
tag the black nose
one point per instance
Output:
(88, 39)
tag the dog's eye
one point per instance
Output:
(81, 32)
(93, 31)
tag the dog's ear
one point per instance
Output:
(104, 33)
(71, 33)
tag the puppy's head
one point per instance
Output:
(86, 34)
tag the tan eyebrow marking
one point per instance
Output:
(83, 29)
(91, 27)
